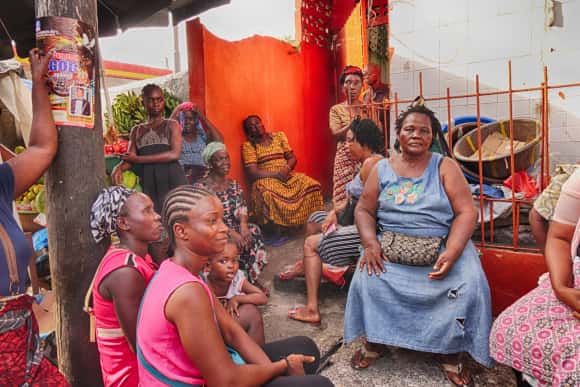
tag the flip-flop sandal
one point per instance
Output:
(292, 314)
(292, 271)
(456, 369)
(363, 354)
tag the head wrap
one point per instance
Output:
(348, 70)
(185, 107)
(351, 70)
(106, 209)
(210, 150)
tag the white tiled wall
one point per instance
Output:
(449, 41)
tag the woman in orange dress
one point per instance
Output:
(279, 196)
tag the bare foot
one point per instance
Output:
(292, 271)
(305, 314)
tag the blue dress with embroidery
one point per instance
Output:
(403, 307)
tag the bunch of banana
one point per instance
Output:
(128, 111)
(171, 102)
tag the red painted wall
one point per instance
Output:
(291, 89)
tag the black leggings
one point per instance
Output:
(299, 345)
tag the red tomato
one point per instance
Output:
(108, 149)
(116, 147)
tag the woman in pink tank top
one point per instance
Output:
(121, 278)
(185, 337)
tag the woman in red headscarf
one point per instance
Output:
(198, 131)
(340, 117)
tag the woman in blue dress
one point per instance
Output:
(444, 307)
(198, 131)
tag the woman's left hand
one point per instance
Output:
(130, 157)
(284, 173)
(443, 266)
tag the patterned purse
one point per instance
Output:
(410, 250)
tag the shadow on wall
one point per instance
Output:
(289, 88)
(564, 123)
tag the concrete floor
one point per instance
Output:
(399, 368)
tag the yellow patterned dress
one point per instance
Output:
(283, 203)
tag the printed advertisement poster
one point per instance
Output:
(71, 69)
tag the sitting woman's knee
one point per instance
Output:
(250, 316)
(312, 228)
(311, 245)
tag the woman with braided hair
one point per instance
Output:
(121, 278)
(185, 336)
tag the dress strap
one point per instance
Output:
(88, 305)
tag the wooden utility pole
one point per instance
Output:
(73, 182)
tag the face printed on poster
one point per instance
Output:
(71, 70)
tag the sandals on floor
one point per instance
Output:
(457, 369)
(363, 357)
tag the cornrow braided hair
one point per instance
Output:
(178, 203)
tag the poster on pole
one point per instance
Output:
(71, 70)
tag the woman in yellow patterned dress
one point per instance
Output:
(280, 196)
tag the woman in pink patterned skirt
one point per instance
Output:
(539, 335)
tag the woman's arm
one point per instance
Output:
(250, 161)
(164, 157)
(558, 254)
(365, 219)
(253, 295)
(125, 287)
(117, 172)
(337, 129)
(29, 165)
(560, 265)
(463, 223)
(291, 160)
(368, 166)
(205, 346)
(255, 173)
(212, 130)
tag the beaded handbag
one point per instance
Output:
(410, 250)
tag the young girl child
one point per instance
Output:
(184, 336)
(237, 294)
(121, 278)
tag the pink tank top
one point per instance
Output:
(118, 361)
(157, 338)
